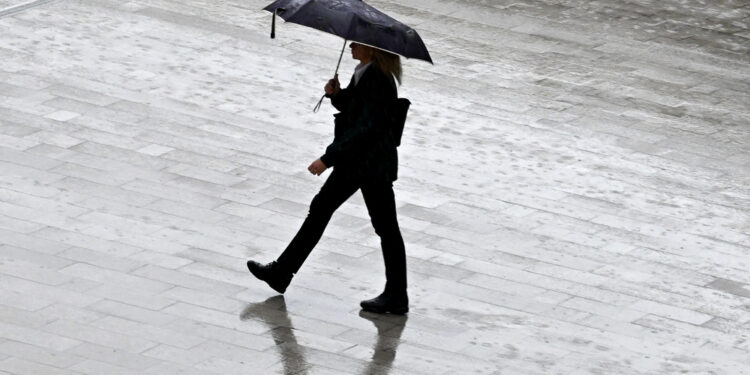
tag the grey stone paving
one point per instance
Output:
(574, 192)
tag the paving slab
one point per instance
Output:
(573, 191)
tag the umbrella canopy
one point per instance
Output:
(353, 20)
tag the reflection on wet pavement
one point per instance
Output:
(273, 313)
(389, 329)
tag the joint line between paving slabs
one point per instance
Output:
(21, 7)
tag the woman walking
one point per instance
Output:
(363, 156)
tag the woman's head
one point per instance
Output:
(361, 52)
(386, 61)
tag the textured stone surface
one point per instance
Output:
(573, 193)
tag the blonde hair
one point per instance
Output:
(387, 62)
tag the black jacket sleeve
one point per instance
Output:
(342, 99)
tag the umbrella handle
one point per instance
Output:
(317, 106)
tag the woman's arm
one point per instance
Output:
(339, 97)
(341, 100)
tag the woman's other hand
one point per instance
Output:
(317, 167)
(333, 86)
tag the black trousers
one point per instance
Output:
(381, 205)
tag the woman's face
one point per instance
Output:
(361, 52)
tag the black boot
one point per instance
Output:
(276, 278)
(387, 303)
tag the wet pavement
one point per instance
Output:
(574, 191)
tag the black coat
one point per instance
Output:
(363, 146)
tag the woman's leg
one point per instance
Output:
(381, 205)
(336, 190)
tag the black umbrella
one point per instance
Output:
(353, 20)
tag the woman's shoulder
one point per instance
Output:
(378, 72)
(379, 78)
